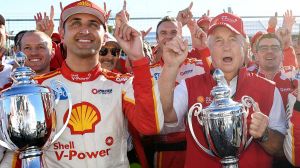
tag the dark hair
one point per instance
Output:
(268, 36)
(18, 37)
(165, 19)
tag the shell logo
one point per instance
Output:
(200, 99)
(84, 3)
(83, 119)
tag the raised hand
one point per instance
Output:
(128, 38)
(259, 123)
(199, 37)
(61, 6)
(273, 21)
(185, 15)
(45, 24)
(284, 34)
(107, 14)
(145, 33)
(288, 20)
(125, 9)
(175, 51)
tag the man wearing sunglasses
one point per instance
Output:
(110, 53)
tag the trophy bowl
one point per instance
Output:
(28, 117)
(224, 122)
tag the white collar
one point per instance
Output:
(232, 85)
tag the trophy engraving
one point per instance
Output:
(224, 122)
(27, 115)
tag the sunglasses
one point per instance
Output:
(113, 51)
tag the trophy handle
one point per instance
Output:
(248, 101)
(59, 91)
(198, 108)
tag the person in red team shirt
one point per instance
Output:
(266, 122)
(269, 59)
(291, 142)
(103, 102)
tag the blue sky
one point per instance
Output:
(26, 9)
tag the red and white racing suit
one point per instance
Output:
(197, 89)
(291, 144)
(285, 84)
(96, 135)
(5, 80)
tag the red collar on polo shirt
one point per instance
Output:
(80, 76)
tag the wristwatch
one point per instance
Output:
(265, 136)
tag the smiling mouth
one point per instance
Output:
(107, 62)
(84, 41)
(34, 59)
(269, 59)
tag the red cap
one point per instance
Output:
(255, 37)
(82, 6)
(56, 35)
(231, 21)
(202, 20)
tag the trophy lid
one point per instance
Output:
(221, 93)
(22, 74)
(23, 82)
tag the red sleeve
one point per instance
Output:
(6, 86)
(142, 107)
(57, 58)
(295, 120)
(289, 58)
(203, 55)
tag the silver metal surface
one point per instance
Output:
(224, 122)
(27, 115)
(297, 75)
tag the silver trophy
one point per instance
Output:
(297, 75)
(224, 122)
(27, 115)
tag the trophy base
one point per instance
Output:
(230, 162)
(32, 158)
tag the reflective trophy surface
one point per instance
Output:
(27, 115)
(297, 75)
(224, 122)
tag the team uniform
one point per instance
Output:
(5, 81)
(284, 84)
(197, 89)
(96, 135)
(291, 144)
(168, 148)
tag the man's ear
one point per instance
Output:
(105, 38)
(61, 32)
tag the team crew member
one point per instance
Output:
(266, 123)
(96, 135)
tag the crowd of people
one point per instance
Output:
(140, 94)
